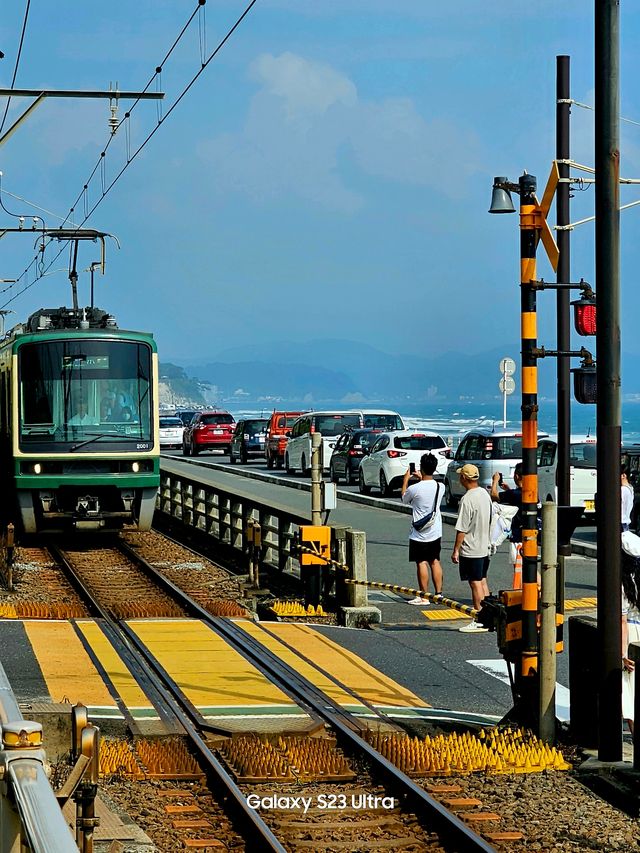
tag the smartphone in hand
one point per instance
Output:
(412, 467)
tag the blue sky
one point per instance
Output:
(328, 174)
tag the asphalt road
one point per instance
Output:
(447, 668)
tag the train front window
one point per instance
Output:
(79, 394)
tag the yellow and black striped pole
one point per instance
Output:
(529, 234)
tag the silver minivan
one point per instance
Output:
(493, 452)
(330, 425)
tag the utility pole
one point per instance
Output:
(529, 224)
(609, 431)
(563, 192)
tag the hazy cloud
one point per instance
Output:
(309, 133)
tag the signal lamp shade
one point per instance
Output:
(585, 384)
(584, 316)
(501, 199)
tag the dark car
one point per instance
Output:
(209, 430)
(186, 415)
(248, 440)
(348, 453)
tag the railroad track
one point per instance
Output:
(376, 807)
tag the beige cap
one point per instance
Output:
(469, 471)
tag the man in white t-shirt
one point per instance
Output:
(473, 538)
(425, 497)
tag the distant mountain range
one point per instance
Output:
(324, 370)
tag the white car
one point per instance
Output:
(583, 475)
(170, 432)
(393, 452)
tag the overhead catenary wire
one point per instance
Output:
(32, 204)
(17, 63)
(100, 161)
(83, 194)
(590, 107)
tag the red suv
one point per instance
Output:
(277, 436)
(210, 430)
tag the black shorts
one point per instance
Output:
(473, 568)
(424, 552)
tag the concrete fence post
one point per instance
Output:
(548, 630)
(357, 560)
(340, 556)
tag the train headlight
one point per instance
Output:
(135, 467)
(37, 468)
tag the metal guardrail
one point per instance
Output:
(30, 817)
(225, 516)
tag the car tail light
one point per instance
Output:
(199, 426)
(448, 453)
(355, 453)
(393, 454)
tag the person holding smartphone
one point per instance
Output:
(424, 497)
(501, 493)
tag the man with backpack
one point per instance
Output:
(472, 545)
(425, 538)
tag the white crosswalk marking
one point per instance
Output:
(498, 669)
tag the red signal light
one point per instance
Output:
(584, 316)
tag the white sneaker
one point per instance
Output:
(422, 602)
(473, 628)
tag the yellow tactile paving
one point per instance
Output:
(67, 669)
(365, 680)
(207, 670)
(447, 614)
(580, 603)
(444, 614)
(125, 684)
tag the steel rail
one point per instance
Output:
(345, 724)
(258, 836)
(152, 688)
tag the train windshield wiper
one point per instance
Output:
(98, 435)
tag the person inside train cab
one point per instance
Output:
(126, 415)
(82, 416)
(107, 406)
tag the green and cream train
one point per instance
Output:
(79, 423)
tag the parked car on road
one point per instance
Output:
(381, 419)
(331, 425)
(278, 431)
(248, 440)
(393, 452)
(583, 476)
(170, 431)
(208, 430)
(186, 415)
(350, 449)
(492, 452)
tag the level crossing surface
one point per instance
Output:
(70, 662)
(420, 647)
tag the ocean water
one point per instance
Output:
(453, 420)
